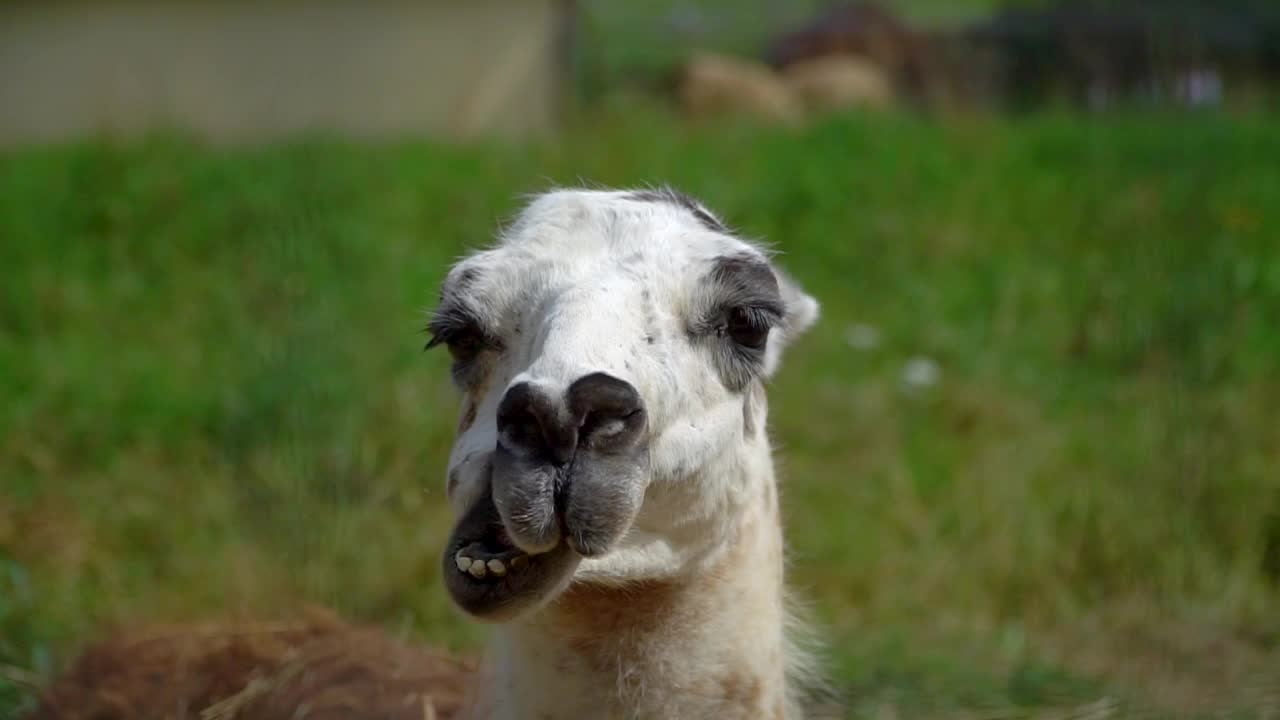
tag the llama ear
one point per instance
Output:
(800, 312)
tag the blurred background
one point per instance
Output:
(1031, 454)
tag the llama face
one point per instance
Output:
(610, 350)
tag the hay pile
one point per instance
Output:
(316, 667)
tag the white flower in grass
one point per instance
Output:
(921, 372)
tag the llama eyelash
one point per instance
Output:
(458, 327)
(448, 323)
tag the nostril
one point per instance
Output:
(522, 428)
(529, 421)
(610, 410)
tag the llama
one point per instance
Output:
(617, 515)
(613, 482)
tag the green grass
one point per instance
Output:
(213, 396)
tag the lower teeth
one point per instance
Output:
(479, 567)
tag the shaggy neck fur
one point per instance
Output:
(707, 642)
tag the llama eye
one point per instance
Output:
(748, 328)
(467, 342)
(466, 347)
(460, 340)
(464, 344)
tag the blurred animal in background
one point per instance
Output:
(873, 37)
(848, 57)
(836, 82)
(714, 85)
(617, 513)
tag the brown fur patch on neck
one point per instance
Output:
(468, 417)
(602, 618)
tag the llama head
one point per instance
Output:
(611, 351)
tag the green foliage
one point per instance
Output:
(212, 395)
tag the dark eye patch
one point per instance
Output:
(746, 280)
(738, 305)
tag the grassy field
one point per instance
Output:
(213, 397)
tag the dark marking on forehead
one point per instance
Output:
(459, 284)
(610, 222)
(747, 279)
(651, 327)
(675, 197)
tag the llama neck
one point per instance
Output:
(708, 644)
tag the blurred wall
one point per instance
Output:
(235, 71)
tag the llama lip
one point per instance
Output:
(500, 580)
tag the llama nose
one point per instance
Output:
(599, 412)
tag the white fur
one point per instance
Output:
(576, 285)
